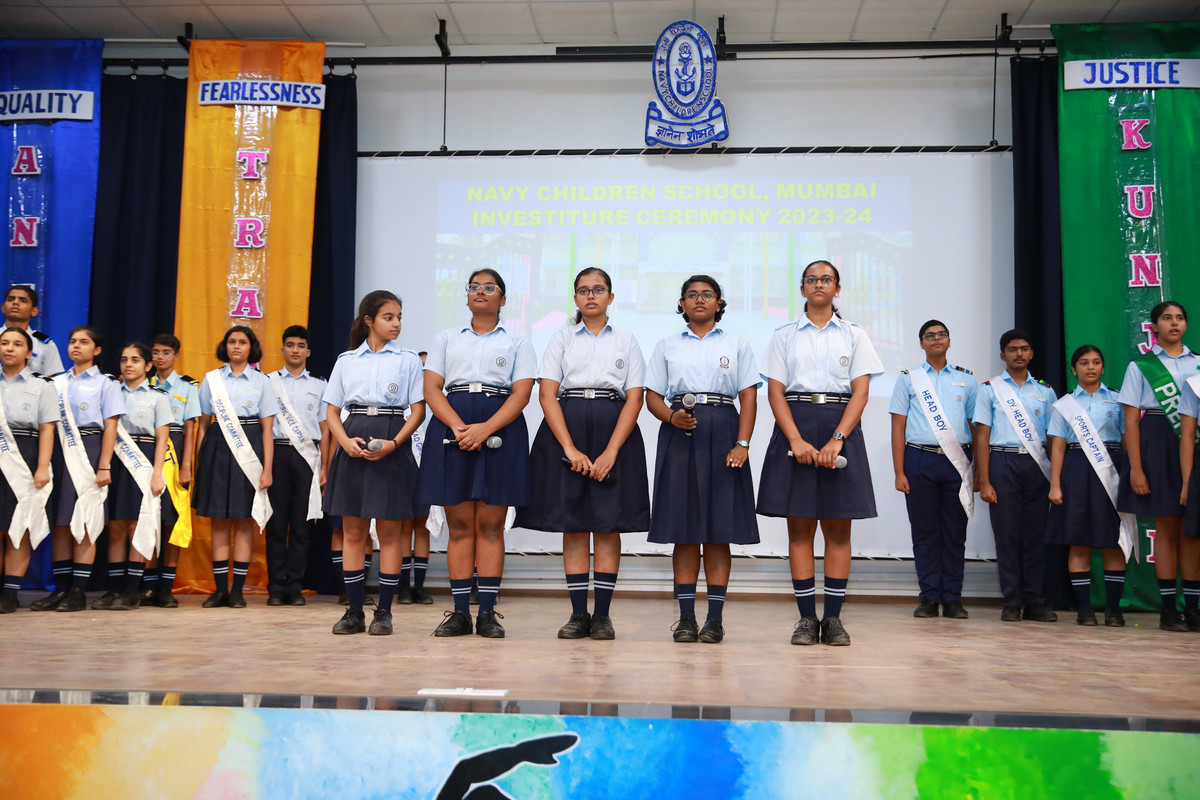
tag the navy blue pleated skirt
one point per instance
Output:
(698, 499)
(380, 489)
(27, 446)
(221, 490)
(498, 477)
(569, 502)
(790, 489)
(63, 496)
(125, 496)
(1086, 517)
(1160, 463)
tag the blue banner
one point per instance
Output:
(50, 123)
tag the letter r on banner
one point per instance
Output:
(254, 161)
(247, 304)
(250, 232)
(25, 231)
(27, 161)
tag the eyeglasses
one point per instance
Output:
(583, 291)
(813, 280)
(706, 295)
(932, 336)
(486, 288)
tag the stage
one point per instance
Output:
(257, 674)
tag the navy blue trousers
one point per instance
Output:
(939, 524)
(1019, 524)
(288, 531)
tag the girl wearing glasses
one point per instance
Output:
(818, 372)
(703, 494)
(475, 461)
(591, 394)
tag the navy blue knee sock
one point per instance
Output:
(240, 569)
(461, 591)
(221, 575)
(806, 596)
(356, 582)
(604, 583)
(406, 568)
(388, 583)
(489, 589)
(133, 576)
(835, 595)
(685, 593)
(1191, 595)
(716, 601)
(1081, 585)
(62, 574)
(420, 567)
(1166, 588)
(577, 589)
(1114, 587)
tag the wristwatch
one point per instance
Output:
(838, 436)
(744, 443)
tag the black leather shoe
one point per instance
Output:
(1010, 614)
(1192, 618)
(164, 598)
(105, 601)
(351, 622)
(9, 602)
(685, 630)
(1086, 617)
(1035, 612)
(295, 598)
(421, 597)
(403, 596)
(147, 596)
(954, 610)
(49, 602)
(577, 627)
(75, 600)
(602, 628)
(712, 632)
(276, 599)
(126, 602)
(925, 610)
(833, 633)
(808, 631)
(381, 625)
(237, 600)
(1114, 619)
(216, 600)
(487, 626)
(454, 623)
(1171, 620)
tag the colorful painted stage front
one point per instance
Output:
(265, 703)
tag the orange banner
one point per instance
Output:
(246, 221)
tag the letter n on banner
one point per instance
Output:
(249, 188)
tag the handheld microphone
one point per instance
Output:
(492, 442)
(689, 402)
(375, 445)
(610, 478)
(841, 460)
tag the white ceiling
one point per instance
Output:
(408, 23)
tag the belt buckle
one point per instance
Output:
(589, 394)
(372, 411)
(818, 399)
(702, 399)
(475, 387)
(940, 451)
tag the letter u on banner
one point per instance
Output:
(249, 186)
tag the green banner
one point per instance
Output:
(1129, 163)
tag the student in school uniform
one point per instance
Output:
(295, 492)
(818, 371)
(238, 408)
(372, 474)
(183, 395)
(475, 463)
(20, 307)
(1082, 513)
(90, 404)
(415, 547)
(1189, 410)
(1013, 471)
(141, 449)
(591, 392)
(703, 492)
(931, 413)
(1152, 479)
(30, 408)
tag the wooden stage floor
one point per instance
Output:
(897, 663)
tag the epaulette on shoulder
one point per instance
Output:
(159, 389)
(903, 372)
(51, 377)
(111, 377)
(1042, 382)
(964, 369)
(190, 380)
(987, 383)
(41, 337)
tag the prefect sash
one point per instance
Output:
(181, 498)
(1018, 417)
(1097, 455)
(947, 437)
(303, 443)
(1166, 390)
(30, 513)
(239, 445)
(88, 518)
(149, 522)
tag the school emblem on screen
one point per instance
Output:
(688, 113)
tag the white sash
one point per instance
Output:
(225, 417)
(88, 518)
(149, 523)
(947, 437)
(1097, 455)
(30, 513)
(303, 443)
(1021, 422)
